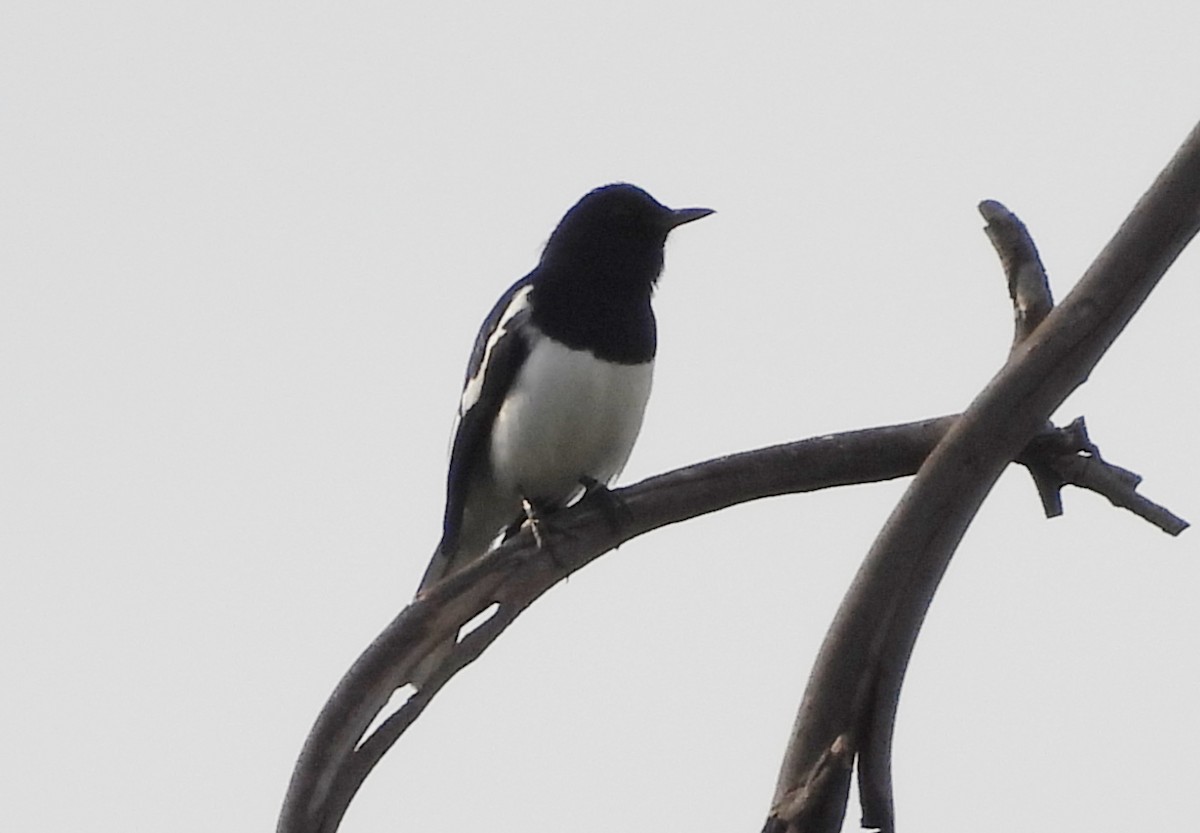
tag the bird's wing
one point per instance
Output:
(500, 349)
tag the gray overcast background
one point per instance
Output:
(246, 247)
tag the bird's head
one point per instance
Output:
(619, 229)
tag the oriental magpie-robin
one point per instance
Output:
(559, 376)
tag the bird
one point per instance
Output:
(559, 376)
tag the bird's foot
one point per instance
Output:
(614, 508)
(535, 522)
(539, 526)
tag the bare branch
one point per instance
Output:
(822, 800)
(1071, 458)
(877, 625)
(1119, 486)
(338, 755)
(337, 758)
(1028, 286)
(1029, 289)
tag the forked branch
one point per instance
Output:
(863, 658)
(339, 753)
(855, 684)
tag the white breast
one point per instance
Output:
(568, 416)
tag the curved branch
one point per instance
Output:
(1029, 290)
(1028, 286)
(338, 754)
(337, 757)
(855, 684)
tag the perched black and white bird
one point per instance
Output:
(559, 377)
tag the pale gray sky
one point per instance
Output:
(248, 245)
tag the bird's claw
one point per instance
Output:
(533, 520)
(609, 502)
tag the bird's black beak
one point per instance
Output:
(685, 215)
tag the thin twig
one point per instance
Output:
(1029, 290)
(1119, 486)
(1028, 286)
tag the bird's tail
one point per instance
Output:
(447, 558)
(472, 538)
(440, 566)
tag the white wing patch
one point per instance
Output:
(473, 389)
